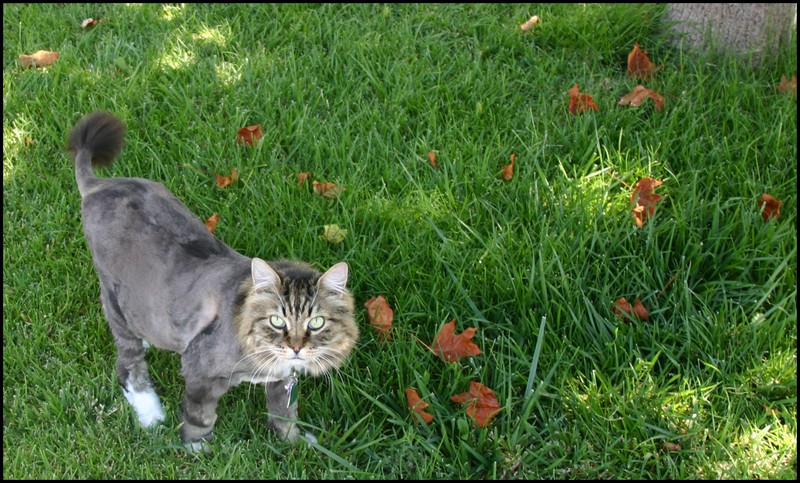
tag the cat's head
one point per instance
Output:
(294, 318)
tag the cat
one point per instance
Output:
(166, 281)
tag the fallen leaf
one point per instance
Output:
(90, 22)
(644, 200)
(432, 158)
(639, 94)
(639, 65)
(223, 181)
(788, 86)
(622, 306)
(508, 170)
(333, 234)
(530, 23)
(249, 135)
(380, 315)
(40, 58)
(482, 404)
(327, 189)
(667, 446)
(211, 222)
(640, 311)
(580, 102)
(416, 404)
(772, 207)
(451, 347)
(303, 177)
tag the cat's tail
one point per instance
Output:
(95, 141)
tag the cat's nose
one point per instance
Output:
(297, 348)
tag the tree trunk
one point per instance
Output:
(759, 29)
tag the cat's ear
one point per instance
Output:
(264, 276)
(335, 278)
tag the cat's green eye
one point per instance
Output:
(277, 322)
(316, 323)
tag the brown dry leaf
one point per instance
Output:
(416, 404)
(432, 158)
(90, 22)
(223, 181)
(667, 446)
(451, 347)
(580, 102)
(303, 177)
(640, 310)
(530, 23)
(327, 189)
(249, 135)
(644, 200)
(639, 94)
(622, 306)
(211, 222)
(333, 234)
(639, 65)
(508, 170)
(40, 58)
(772, 207)
(380, 315)
(788, 86)
(482, 404)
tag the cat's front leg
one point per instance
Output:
(282, 415)
(199, 412)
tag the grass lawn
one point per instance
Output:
(359, 95)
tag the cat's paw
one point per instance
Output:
(309, 437)
(146, 404)
(198, 446)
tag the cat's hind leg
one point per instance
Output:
(130, 366)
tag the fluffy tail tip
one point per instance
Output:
(101, 134)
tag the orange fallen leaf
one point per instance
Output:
(622, 306)
(249, 135)
(303, 177)
(772, 207)
(223, 181)
(788, 86)
(380, 315)
(530, 23)
(211, 222)
(639, 94)
(644, 200)
(508, 170)
(432, 158)
(640, 310)
(580, 102)
(416, 404)
(482, 404)
(451, 347)
(327, 189)
(639, 65)
(40, 58)
(90, 22)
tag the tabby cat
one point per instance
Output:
(166, 281)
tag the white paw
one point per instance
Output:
(197, 447)
(145, 344)
(309, 437)
(146, 404)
